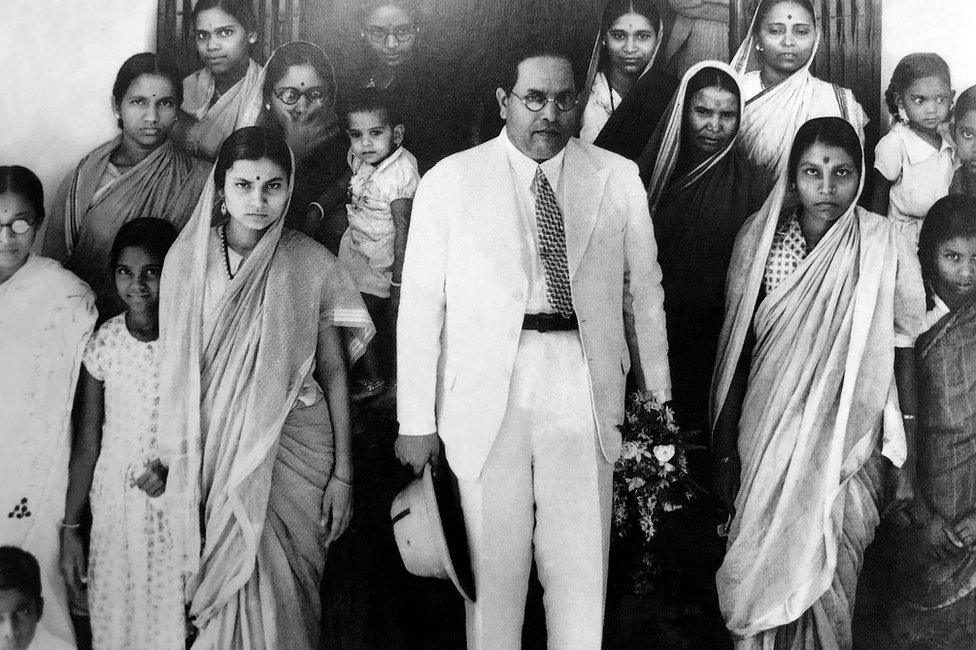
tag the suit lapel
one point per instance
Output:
(503, 221)
(581, 194)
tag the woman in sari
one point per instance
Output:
(624, 96)
(139, 173)
(778, 88)
(254, 386)
(215, 97)
(46, 317)
(937, 558)
(700, 191)
(300, 92)
(813, 383)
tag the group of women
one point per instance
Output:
(753, 171)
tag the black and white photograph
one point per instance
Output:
(487, 324)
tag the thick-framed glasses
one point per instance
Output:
(17, 226)
(290, 96)
(402, 33)
(535, 102)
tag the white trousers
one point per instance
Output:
(545, 487)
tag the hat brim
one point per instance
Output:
(449, 518)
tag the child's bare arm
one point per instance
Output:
(879, 196)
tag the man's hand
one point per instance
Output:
(417, 451)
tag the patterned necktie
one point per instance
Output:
(552, 244)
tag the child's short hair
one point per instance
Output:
(952, 216)
(155, 236)
(369, 100)
(964, 103)
(19, 571)
(912, 67)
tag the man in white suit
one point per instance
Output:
(530, 264)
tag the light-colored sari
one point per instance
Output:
(247, 428)
(773, 116)
(46, 317)
(165, 185)
(232, 110)
(820, 399)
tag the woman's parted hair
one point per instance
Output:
(145, 63)
(912, 67)
(155, 236)
(711, 78)
(298, 53)
(831, 131)
(241, 10)
(614, 9)
(765, 6)
(25, 184)
(251, 143)
(950, 217)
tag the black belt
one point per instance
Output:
(550, 322)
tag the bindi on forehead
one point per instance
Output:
(826, 160)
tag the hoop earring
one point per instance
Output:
(223, 208)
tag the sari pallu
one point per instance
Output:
(230, 382)
(820, 398)
(947, 457)
(46, 317)
(772, 117)
(696, 215)
(238, 106)
(164, 185)
(631, 125)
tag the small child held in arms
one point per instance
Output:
(21, 604)
(964, 134)
(381, 191)
(135, 586)
(937, 560)
(914, 162)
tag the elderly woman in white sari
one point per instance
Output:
(215, 97)
(254, 387)
(46, 317)
(813, 386)
(777, 86)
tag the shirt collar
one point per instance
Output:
(525, 167)
(916, 148)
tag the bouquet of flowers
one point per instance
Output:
(648, 480)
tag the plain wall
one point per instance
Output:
(59, 61)
(946, 27)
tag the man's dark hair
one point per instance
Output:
(509, 74)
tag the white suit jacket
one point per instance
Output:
(464, 294)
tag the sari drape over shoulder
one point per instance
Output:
(164, 185)
(696, 215)
(773, 116)
(232, 110)
(46, 317)
(946, 358)
(820, 398)
(248, 458)
(630, 125)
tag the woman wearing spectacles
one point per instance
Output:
(46, 315)
(437, 112)
(299, 93)
(624, 97)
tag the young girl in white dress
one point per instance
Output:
(135, 590)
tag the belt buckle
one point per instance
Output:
(544, 324)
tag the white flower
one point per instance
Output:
(635, 483)
(663, 453)
(630, 451)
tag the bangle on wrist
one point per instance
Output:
(395, 284)
(908, 416)
(320, 208)
(340, 480)
(65, 526)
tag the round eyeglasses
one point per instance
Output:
(17, 226)
(402, 33)
(536, 101)
(290, 96)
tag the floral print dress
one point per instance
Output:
(135, 591)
